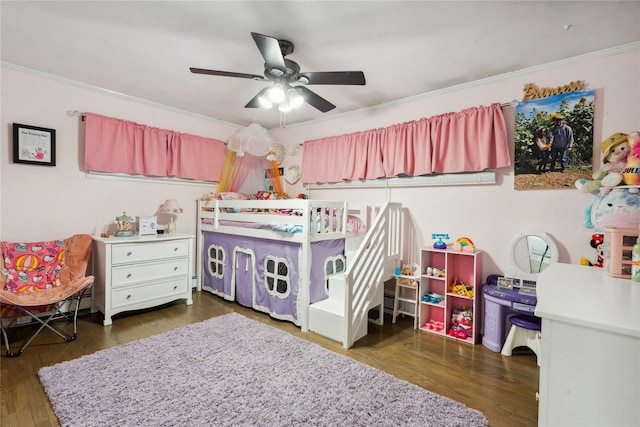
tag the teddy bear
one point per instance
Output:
(615, 151)
(631, 171)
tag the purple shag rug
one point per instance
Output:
(234, 371)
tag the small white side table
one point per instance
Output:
(406, 298)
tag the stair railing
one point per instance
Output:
(374, 262)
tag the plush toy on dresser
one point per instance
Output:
(597, 243)
(631, 171)
(615, 150)
(617, 208)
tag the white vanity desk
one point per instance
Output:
(590, 364)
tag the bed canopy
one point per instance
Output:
(249, 153)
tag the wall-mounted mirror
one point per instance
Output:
(529, 254)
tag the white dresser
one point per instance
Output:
(133, 273)
(590, 363)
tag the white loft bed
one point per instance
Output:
(238, 229)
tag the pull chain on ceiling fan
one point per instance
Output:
(284, 73)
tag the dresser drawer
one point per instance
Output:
(136, 252)
(130, 274)
(139, 294)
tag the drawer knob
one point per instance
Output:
(175, 249)
(129, 275)
(175, 268)
(175, 287)
(128, 296)
(129, 253)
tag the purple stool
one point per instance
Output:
(525, 331)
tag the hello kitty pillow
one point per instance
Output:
(30, 267)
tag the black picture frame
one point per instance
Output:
(34, 145)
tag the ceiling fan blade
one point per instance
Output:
(254, 103)
(226, 74)
(270, 50)
(314, 99)
(335, 78)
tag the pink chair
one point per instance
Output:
(73, 286)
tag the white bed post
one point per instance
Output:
(199, 249)
(304, 271)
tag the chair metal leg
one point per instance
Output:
(45, 323)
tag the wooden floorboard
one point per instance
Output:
(502, 388)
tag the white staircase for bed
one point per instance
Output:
(344, 315)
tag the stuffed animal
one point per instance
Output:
(597, 243)
(631, 171)
(615, 150)
(407, 270)
(617, 208)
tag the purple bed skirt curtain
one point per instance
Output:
(120, 146)
(243, 278)
(471, 140)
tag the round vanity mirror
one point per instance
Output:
(529, 254)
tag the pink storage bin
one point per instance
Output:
(618, 243)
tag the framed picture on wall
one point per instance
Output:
(269, 173)
(34, 145)
(554, 141)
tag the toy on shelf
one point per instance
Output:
(433, 325)
(615, 150)
(464, 244)
(407, 275)
(432, 298)
(459, 288)
(631, 171)
(124, 225)
(439, 244)
(617, 208)
(461, 325)
(432, 271)
(597, 243)
(407, 270)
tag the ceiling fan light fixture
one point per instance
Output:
(294, 98)
(276, 93)
(265, 102)
(285, 106)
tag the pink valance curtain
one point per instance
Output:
(120, 146)
(195, 157)
(472, 140)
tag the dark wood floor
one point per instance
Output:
(503, 388)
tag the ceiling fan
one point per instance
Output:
(284, 73)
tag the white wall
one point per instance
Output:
(39, 202)
(45, 203)
(491, 215)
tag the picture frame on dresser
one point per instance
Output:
(34, 145)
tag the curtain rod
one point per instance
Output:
(76, 113)
(509, 104)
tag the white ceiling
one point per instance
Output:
(144, 49)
